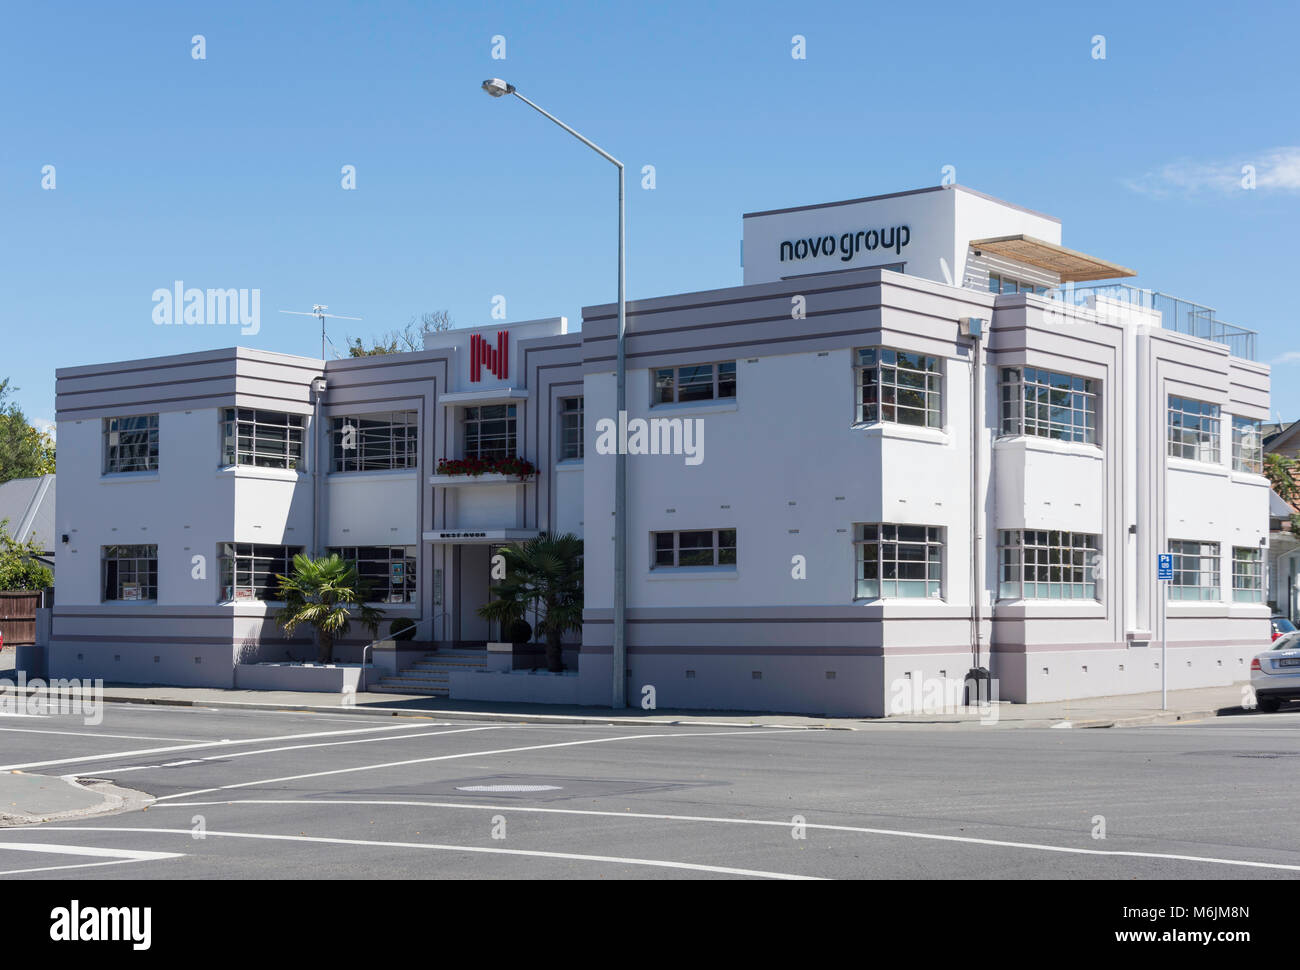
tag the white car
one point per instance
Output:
(1275, 674)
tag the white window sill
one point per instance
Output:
(1035, 608)
(1250, 478)
(692, 573)
(1197, 467)
(254, 471)
(569, 465)
(119, 478)
(693, 407)
(1031, 442)
(904, 432)
(400, 474)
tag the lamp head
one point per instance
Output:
(497, 87)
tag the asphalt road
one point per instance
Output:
(248, 795)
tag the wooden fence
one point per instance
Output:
(18, 617)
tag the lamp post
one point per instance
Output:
(498, 88)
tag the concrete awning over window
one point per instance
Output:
(1071, 266)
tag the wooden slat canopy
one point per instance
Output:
(1073, 266)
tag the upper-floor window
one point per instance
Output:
(490, 431)
(387, 572)
(898, 561)
(264, 439)
(1193, 429)
(375, 442)
(1247, 446)
(697, 382)
(1247, 574)
(1036, 564)
(1005, 284)
(130, 573)
(697, 547)
(898, 386)
(249, 570)
(1196, 570)
(131, 444)
(571, 427)
(1047, 405)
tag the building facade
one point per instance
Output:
(920, 438)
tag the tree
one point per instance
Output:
(325, 594)
(20, 567)
(1280, 472)
(25, 451)
(407, 339)
(543, 575)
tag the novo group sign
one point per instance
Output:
(848, 244)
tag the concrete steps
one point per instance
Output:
(430, 675)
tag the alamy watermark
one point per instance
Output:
(192, 307)
(653, 436)
(35, 697)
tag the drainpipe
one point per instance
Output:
(974, 328)
(318, 392)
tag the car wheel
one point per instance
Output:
(1269, 704)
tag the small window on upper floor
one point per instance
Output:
(131, 444)
(571, 428)
(1247, 446)
(899, 387)
(375, 442)
(263, 439)
(1193, 430)
(695, 382)
(1048, 405)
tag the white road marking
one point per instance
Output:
(93, 734)
(485, 850)
(18, 714)
(204, 744)
(970, 840)
(469, 754)
(115, 857)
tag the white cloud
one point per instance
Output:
(1276, 170)
(1290, 357)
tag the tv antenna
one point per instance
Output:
(318, 311)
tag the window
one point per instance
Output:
(898, 561)
(1196, 570)
(1004, 284)
(1046, 405)
(701, 547)
(1247, 574)
(1193, 430)
(570, 427)
(1247, 446)
(265, 439)
(388, 571)
(375, 442)
(248, 570)
(130, 573)
(896, 386)
(131, 444)
(490, 431)
(699, 382)
(1048, 565)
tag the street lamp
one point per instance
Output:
(498, 88)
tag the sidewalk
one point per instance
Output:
(1122, 711)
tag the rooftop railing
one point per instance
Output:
(1182, 316)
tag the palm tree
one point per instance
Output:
(324, 593)
(544, 575)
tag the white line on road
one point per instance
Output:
(472, 754)
(970, 840)
(94, 734)
(206, 744)
(485, 850)
(116, 857)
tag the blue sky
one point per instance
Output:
(225, 172)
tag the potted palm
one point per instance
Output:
(325, 594)
(543, 575)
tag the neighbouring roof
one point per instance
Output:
(1072, 266)
(28, 504)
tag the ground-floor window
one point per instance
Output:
(1196, 570)
(130, 573)
(388, 571)
(1038, 564)
(248, 570)
(1247, 574)
(898, 561)
(696, 547)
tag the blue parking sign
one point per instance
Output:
(1164, 567)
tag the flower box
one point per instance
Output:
(520, 468)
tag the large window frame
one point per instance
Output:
(129, 573)
(571, 443)
(1248, 574)
(898, 561)
(1194, 430)
(491, 431)
(693, 548)
(898, 387)
(1046, 404)
(999, 283)
(380, 441)
(1048, 564)
(1247, 446)
(248, 571)
(389, 572)
(694, 383)
(1197, 570)
(257, 438)
(130, 444)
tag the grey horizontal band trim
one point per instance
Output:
(897, 195)
(153, 640)
(146, 613)
(217, 401)
(401, 358)
(789, 288)
(186, 360)
(714, 650)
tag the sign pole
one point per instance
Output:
(1164, 648)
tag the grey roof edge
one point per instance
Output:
(896, 195)
(194, 357)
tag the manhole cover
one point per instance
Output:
(509, 788)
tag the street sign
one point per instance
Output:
(1164, 568)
